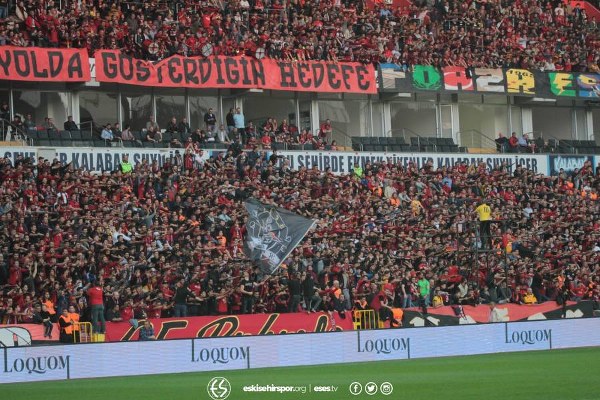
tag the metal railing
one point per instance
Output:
(11, 133)
(534, 133)
(390, 133)
(411, 138)
(556, 145)
(347, 138)
(484, 142)
(369, 319)
(87, 126)
(532, 137)
(82, 332)
(366, 319)
(408, 134)
(421, 141)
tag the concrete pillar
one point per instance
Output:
(314, 115)
(386, 118)
(11, 103)
(527, 121)
(589, 122)
(370, 119)
(574, 127)
(455, 123)
(74, 108)
(297, 109)
(154, 105)
(187, 104)
(120, 109)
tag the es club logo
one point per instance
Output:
(218, 388)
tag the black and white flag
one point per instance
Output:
(272, 233)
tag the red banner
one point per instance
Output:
(36, 331)
(236, 73)
(275, 324)
(509, 312)
(40, 64)
(230, 325)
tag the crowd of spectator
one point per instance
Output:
(545, 34)
(178, 133)
(164, 240)
(269, 133)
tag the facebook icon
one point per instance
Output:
(355, 388)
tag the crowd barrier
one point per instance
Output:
(338, 162)
(20, 364)
(292, 323)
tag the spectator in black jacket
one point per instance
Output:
(29, 123)
(210, 119)
(501, 143)
(180, 299)
(184, 127)
(172, 126)
(229, 121)
(5, 111)
(295, 288)
(48, 325)
(70, 125)
(312, 300)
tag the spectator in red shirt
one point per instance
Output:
(127, 313)
(96, 298)
(513, 143)
(325, 130)
(266, 141)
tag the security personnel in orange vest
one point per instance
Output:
(75, 318)
(66, 327)
(398, 314)
(589, 194)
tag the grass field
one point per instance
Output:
(544, 375)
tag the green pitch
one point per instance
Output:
(544, 375)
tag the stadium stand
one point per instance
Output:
(140, 232)
(547, 35)
(403, 229)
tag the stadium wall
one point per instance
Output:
(27, 364)
(339, 162)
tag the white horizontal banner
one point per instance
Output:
(339, 162)
(93, 159)
(21, 364)
(342, 162)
